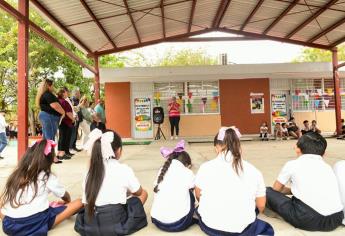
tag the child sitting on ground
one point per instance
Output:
(229, 191)
(339, 170)
(306, 128)
(278, 131)
(25, 209)
(293, 129)
(173, 204)
(316, 204)
(285, 132)
(105, 189)
(314, 127)
(264, 131)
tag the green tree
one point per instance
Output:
(187, 57)
(319, 55)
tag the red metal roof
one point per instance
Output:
(107, 26)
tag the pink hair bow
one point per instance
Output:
(222, 130)
(167, 151)
(49, 145)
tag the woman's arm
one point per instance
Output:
(197, 193)
(260, 203)
(57, 107)
(141, 194)
(70, 116)
(277, 186)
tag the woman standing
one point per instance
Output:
(87, 117)
(51, 110)
(174, 117)
(65, 128)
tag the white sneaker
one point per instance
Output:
(172, 137)
(72, 151)
(176, 137)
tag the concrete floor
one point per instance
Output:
(269, 157)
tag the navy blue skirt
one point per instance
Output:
(182, 224)
(258, 227)
(36, 225)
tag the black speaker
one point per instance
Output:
(158, 115)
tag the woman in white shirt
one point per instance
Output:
(105, 189)
(25, 209)
(173, 204)
(229, 191)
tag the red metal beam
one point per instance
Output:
(274, 38)
(156, 41)
(284, 13)
(96, 85)
(192, 11)
(23, 74)
(87, 8)
(256, 8)
(163, 18)
(223, 6)
(310, 19)
(61, 26)
(337, 97)
(213, 39)
(326, 31)
(132, 20)
(341, 65)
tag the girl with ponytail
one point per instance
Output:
(106, 187)
(230, 191)
(173, 204)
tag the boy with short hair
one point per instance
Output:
(315, 204)
(306, 128)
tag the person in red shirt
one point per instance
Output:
(174, 117)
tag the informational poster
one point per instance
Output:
(257, 104)
(279, 110)
(142, 110)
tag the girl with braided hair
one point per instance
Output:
(173, 204)
(230, 191)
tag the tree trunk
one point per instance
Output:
(32, 122)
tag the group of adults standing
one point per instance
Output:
(64, 114)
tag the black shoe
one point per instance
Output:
(1, 158)
(57, 162)
(76, 149)
(69, 154)
(66, 157)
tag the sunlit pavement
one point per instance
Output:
(269, 157)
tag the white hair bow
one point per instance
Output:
(221, 132)
(106, 139)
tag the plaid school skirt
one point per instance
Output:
(112, 220)
(36, 225)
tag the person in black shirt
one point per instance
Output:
(51, 110)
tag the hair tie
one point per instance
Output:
(178, 148)
(49, 145)
(106, 139)
(222, 130)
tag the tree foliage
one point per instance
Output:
(187, 57)
(319, 55)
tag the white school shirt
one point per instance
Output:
(2, 124)
(118, 180)
(227, 201)
(313, 182)
(172, 201)
(40, 202)
(339, 170)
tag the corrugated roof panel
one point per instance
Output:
(67, 12)
(150, 26)
(177, 18)
(205, 11)
(323, 40)
(103, 9)
(89, 33)
(340, 5)
(142, 4)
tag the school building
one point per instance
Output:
(213, 96)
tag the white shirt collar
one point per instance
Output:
(222, 157)
(312, 156)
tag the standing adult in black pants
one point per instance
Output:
(65, 127)
(174, 117)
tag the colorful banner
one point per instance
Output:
(257, 104)
(279, 111)
(142, 109)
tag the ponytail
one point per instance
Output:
(183, 157)
(231, 143)
(95, 177)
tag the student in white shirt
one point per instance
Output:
(106, 187)
(3, 138)
(315, 204)
(229, 191)
(25, 209)
(173, 205)
(264, 131)
(339, 170)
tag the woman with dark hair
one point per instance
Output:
(106, 187)
(51, 110)
(65, 128)
(174, 117)
(230, 191)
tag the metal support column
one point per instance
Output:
(23, 74)
(96, 82)
(336, 82)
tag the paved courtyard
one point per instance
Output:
(269, 157)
